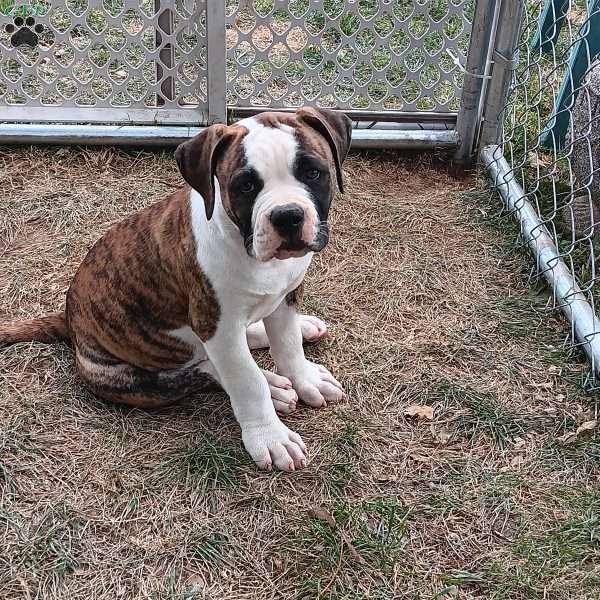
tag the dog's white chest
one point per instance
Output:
(260, 291)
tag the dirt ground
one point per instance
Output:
(484, 494)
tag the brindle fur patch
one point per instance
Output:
(140, 281)
(294, 298)
(125, 384)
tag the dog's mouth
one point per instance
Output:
(292, 249)
(297, 248)
(290, 234)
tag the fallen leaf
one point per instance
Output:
(587, 426)
(419, 411)
(572, 436)
(324, 515)
(195, 583)
(539, 160)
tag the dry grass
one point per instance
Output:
(428, 304)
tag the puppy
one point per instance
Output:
(172, 299)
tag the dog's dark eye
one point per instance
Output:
(247, 187)
(312, 174)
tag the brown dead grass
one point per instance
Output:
(427, 304)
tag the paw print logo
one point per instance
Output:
(24, 32)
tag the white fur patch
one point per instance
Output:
(271, 152)
(187, 336)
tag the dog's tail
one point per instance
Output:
(48, 329)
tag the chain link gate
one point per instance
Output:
(154, 71)
(540, 145)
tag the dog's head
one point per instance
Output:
(277, 174)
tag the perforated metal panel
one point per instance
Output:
(184, 62)
(103, 61)
(380, 55)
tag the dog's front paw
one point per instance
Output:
(282, 393)
(316, 386)
(274, 444)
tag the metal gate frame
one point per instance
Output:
(373, 129)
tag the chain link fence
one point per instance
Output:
(545, 163)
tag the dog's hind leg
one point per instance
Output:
(121, 383)
(118, 382)
(313, 329)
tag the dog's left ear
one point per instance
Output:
(336, 128)
(197, 161)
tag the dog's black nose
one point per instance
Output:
(287, 219)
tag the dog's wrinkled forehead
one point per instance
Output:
(274, 141)
(270, 150)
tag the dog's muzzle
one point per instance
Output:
(287, 221)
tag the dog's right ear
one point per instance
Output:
(197, 160)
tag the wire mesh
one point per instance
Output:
(550, 137)
(103, 54)
(380, 55)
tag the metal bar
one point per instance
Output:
(505, 62)
(476, 68)
(166, 53)
(171, 136)
(572, 302)
(216, 59)
(188, 116)
(128, 116)
(550, 23)
(240, 112)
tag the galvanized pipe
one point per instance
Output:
(216, 58)
(504, 63)
(171, 136)
(572, 301)
(476, 69)
(239, 112)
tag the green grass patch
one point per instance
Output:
(483, 414)
(210, 549)
(347, 548)
(341, 459)
(557, 562)
(206, 465)
(47, 547)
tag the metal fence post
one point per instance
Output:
(477, 58)
(504, 63)
(216, 61)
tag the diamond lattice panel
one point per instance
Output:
(105, 54)
(380, 55)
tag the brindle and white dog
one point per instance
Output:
(171, 300)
